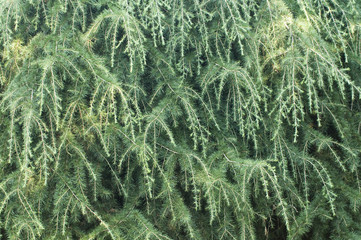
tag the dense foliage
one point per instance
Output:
(180, 119)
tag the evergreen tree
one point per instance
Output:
(179, 119)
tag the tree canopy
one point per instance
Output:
(180, 119)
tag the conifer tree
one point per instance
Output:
(180, 119)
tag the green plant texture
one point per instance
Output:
(180, 119)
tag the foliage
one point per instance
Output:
(179, 119)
